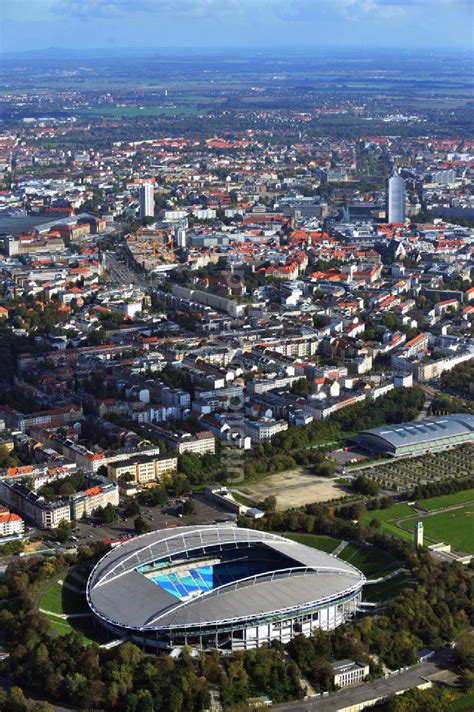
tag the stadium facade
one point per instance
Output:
(219, 587)
(419, 437)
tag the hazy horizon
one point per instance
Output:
(153, 25)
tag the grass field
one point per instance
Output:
(135, 111)
(374, 563)
(63, 601)
(60, 599)
(453, 527)
(371, 561)
(448, 500)
(83, 626)
(387, 517)
(325, 543)
(386, 590)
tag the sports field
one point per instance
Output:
(451, 526)
(449, 500)
(455, 527)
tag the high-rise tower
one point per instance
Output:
(396, 199)
(147, 201)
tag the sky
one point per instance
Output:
(92, 24)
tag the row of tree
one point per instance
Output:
(439, 489)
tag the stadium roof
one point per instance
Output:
(123, 596)
(418, 432)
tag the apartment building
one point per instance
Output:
(199, 444)
(144, 470)
(11, 524)
(262, 386)
(262, 431)
(46, 515)
(83, 504)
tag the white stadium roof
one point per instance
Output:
(122, 596)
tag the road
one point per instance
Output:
(121, 274)
(372, 690)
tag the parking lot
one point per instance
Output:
(162, 517)
(156, 518)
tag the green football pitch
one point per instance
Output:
(455, 527)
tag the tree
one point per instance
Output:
(301, 387)
(188, 507)
(132, 508)
(140, 525)
(63, 530)
(465, 651)
(364, 485)
(107, 514)
(269, 503)
(126, 477)
(468, 680)
(16, 701)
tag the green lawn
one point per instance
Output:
(465, 703)
(59, 599)
(371, 561)
(83, 626)
(324, 543)
(136, 111)
(387, 590)
(448, 500)
(455, 527)
(387, 516)
(396, 511)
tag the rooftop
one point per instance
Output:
(424, 430)
(120, 593)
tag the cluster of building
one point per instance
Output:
(219, 289)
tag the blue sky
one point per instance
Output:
(39, 24)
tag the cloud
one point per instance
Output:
(283, 10)
(91, 9)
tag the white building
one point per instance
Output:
(147, 201)
(348, 672)
(11, 524)
(396, 199)
(262, 431)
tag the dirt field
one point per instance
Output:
(294, 488)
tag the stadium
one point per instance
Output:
(219, 587)
(419, 436)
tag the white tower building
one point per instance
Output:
(147, 201)
(396, 199)
(418, 535)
